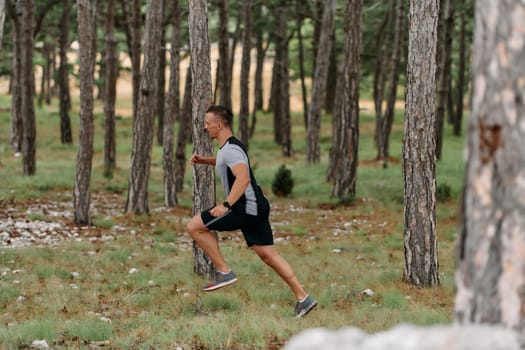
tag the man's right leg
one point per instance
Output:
(207, 241)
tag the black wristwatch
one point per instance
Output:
(226, 204)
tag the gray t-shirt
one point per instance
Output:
(229, 155)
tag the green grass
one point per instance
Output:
(84, 291)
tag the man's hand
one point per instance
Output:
(219, 210)
(198, 159)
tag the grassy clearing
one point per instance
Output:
(137, 289)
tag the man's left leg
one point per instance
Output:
(271, 257)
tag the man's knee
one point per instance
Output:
(195, 226)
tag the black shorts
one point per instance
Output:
(255, 229)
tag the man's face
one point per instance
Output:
(212, 125)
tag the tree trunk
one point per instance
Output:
(380, 71)
(2, 21)
(387, 119)
(137, 201)
(223, 70)
(491, 262)
(27, 86)
(244, 111)
(299, 5)
(111, 74)
(460, 85)
(231, 55)
(136, 23)
(313, 149)
(344, 155)
(81, 194)
(331, 77)
(444, 65)
(280, 80)
(421, 258)
(161, 89)
(66, 134)
(184, 134)
(201, 97)
(284, 96)
(99, 83)
(318, 25)
(259, 67)
(16, 93)
(172, 111)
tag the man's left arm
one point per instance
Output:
(242, 180)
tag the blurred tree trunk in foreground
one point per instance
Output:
(201, 99)
(419, 161)
(490, 274)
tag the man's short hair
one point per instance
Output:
(223, 112)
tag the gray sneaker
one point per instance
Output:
(220, 280)
(304, 307)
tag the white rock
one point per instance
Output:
(39, 344)
(408, 337)
(132, 270)
(369, 292)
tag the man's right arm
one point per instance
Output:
(198, 159)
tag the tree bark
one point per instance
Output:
(66, 134)
(2, 21)
(27, 86)
(201, 97)
(331, 76)
(223, 70)
(161, 89)
(490, 272)
(81, 194)
(299, 5)
(344, 155)
(244, 111)
(460, 85)
(137, 201)
(313, 149)
(16, 93)
(421, 258)
(172, 110)
(281, 83)
(111, 74)
(136, 37)
(380, 72)
(183, 134)
(444, 65)
(258, 99)
(387, 119)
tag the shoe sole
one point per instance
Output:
(306, 311)
(220, 285)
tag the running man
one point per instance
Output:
(245, 208)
